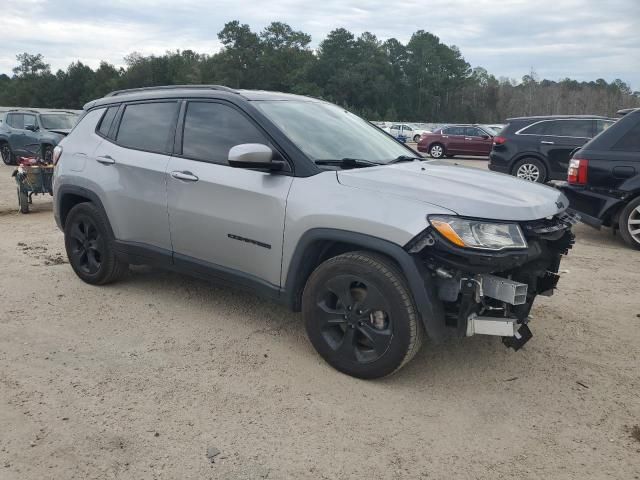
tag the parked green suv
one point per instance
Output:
(31, 132)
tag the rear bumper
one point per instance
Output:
(498, 163)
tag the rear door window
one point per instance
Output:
(569, 128)
(537, 128)
(148, 126)
(630, 142)
(454, 131)
(212, 129)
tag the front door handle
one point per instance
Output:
(105, 160)
(468, 138)
(186, 176)
(547, 142)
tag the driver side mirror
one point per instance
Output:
(31, 128)
(254, 156)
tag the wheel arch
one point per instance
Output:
(523, 155)
(68, 196)
(317, 245)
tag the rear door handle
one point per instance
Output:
(547, 142)
(105, 160)
(186, 176)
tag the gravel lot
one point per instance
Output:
(138, 379)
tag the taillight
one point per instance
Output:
(499, 140)
(57, 152)
(577, 173)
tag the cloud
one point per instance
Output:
(582, 39)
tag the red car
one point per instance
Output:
(457, 140)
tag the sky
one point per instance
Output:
(580, 39)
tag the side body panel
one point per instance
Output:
(229, 217)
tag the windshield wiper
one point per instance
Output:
(347, 163)
(404, 158)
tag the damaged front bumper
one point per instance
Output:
(492, 293)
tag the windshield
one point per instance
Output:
(58, 120)
(327, 132)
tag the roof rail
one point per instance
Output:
(22, 110)
(172, 87)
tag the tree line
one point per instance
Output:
(422, 80)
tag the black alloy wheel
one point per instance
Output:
(354, 319)
(87, 246)
(360, 316)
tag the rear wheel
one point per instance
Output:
(629, 223)
(530, 169)
(7, 154)
(436, 150)
(360, 316)
(89, 246)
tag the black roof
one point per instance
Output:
(181, 91)
(553, 117)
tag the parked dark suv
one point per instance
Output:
(32, 132)
(539, 148)
(604, 179)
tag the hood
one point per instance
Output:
(61, 131)
(467, 191)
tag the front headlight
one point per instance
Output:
(467, 233)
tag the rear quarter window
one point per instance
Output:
(107, 120)
(630, 141)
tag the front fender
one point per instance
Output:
(429, 306)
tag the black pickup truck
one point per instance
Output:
(603, 181)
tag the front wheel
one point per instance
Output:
(416, 138)
(360, 316)
(629, 224)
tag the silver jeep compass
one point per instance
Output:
(301, 201)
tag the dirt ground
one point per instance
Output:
(139, 379)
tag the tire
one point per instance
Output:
(436, 150)
(47, 154)
(90, 247)
(360, 316)
(23, 201)
(530, 169)
(416, 138)
(629, 223)
(7, 154)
